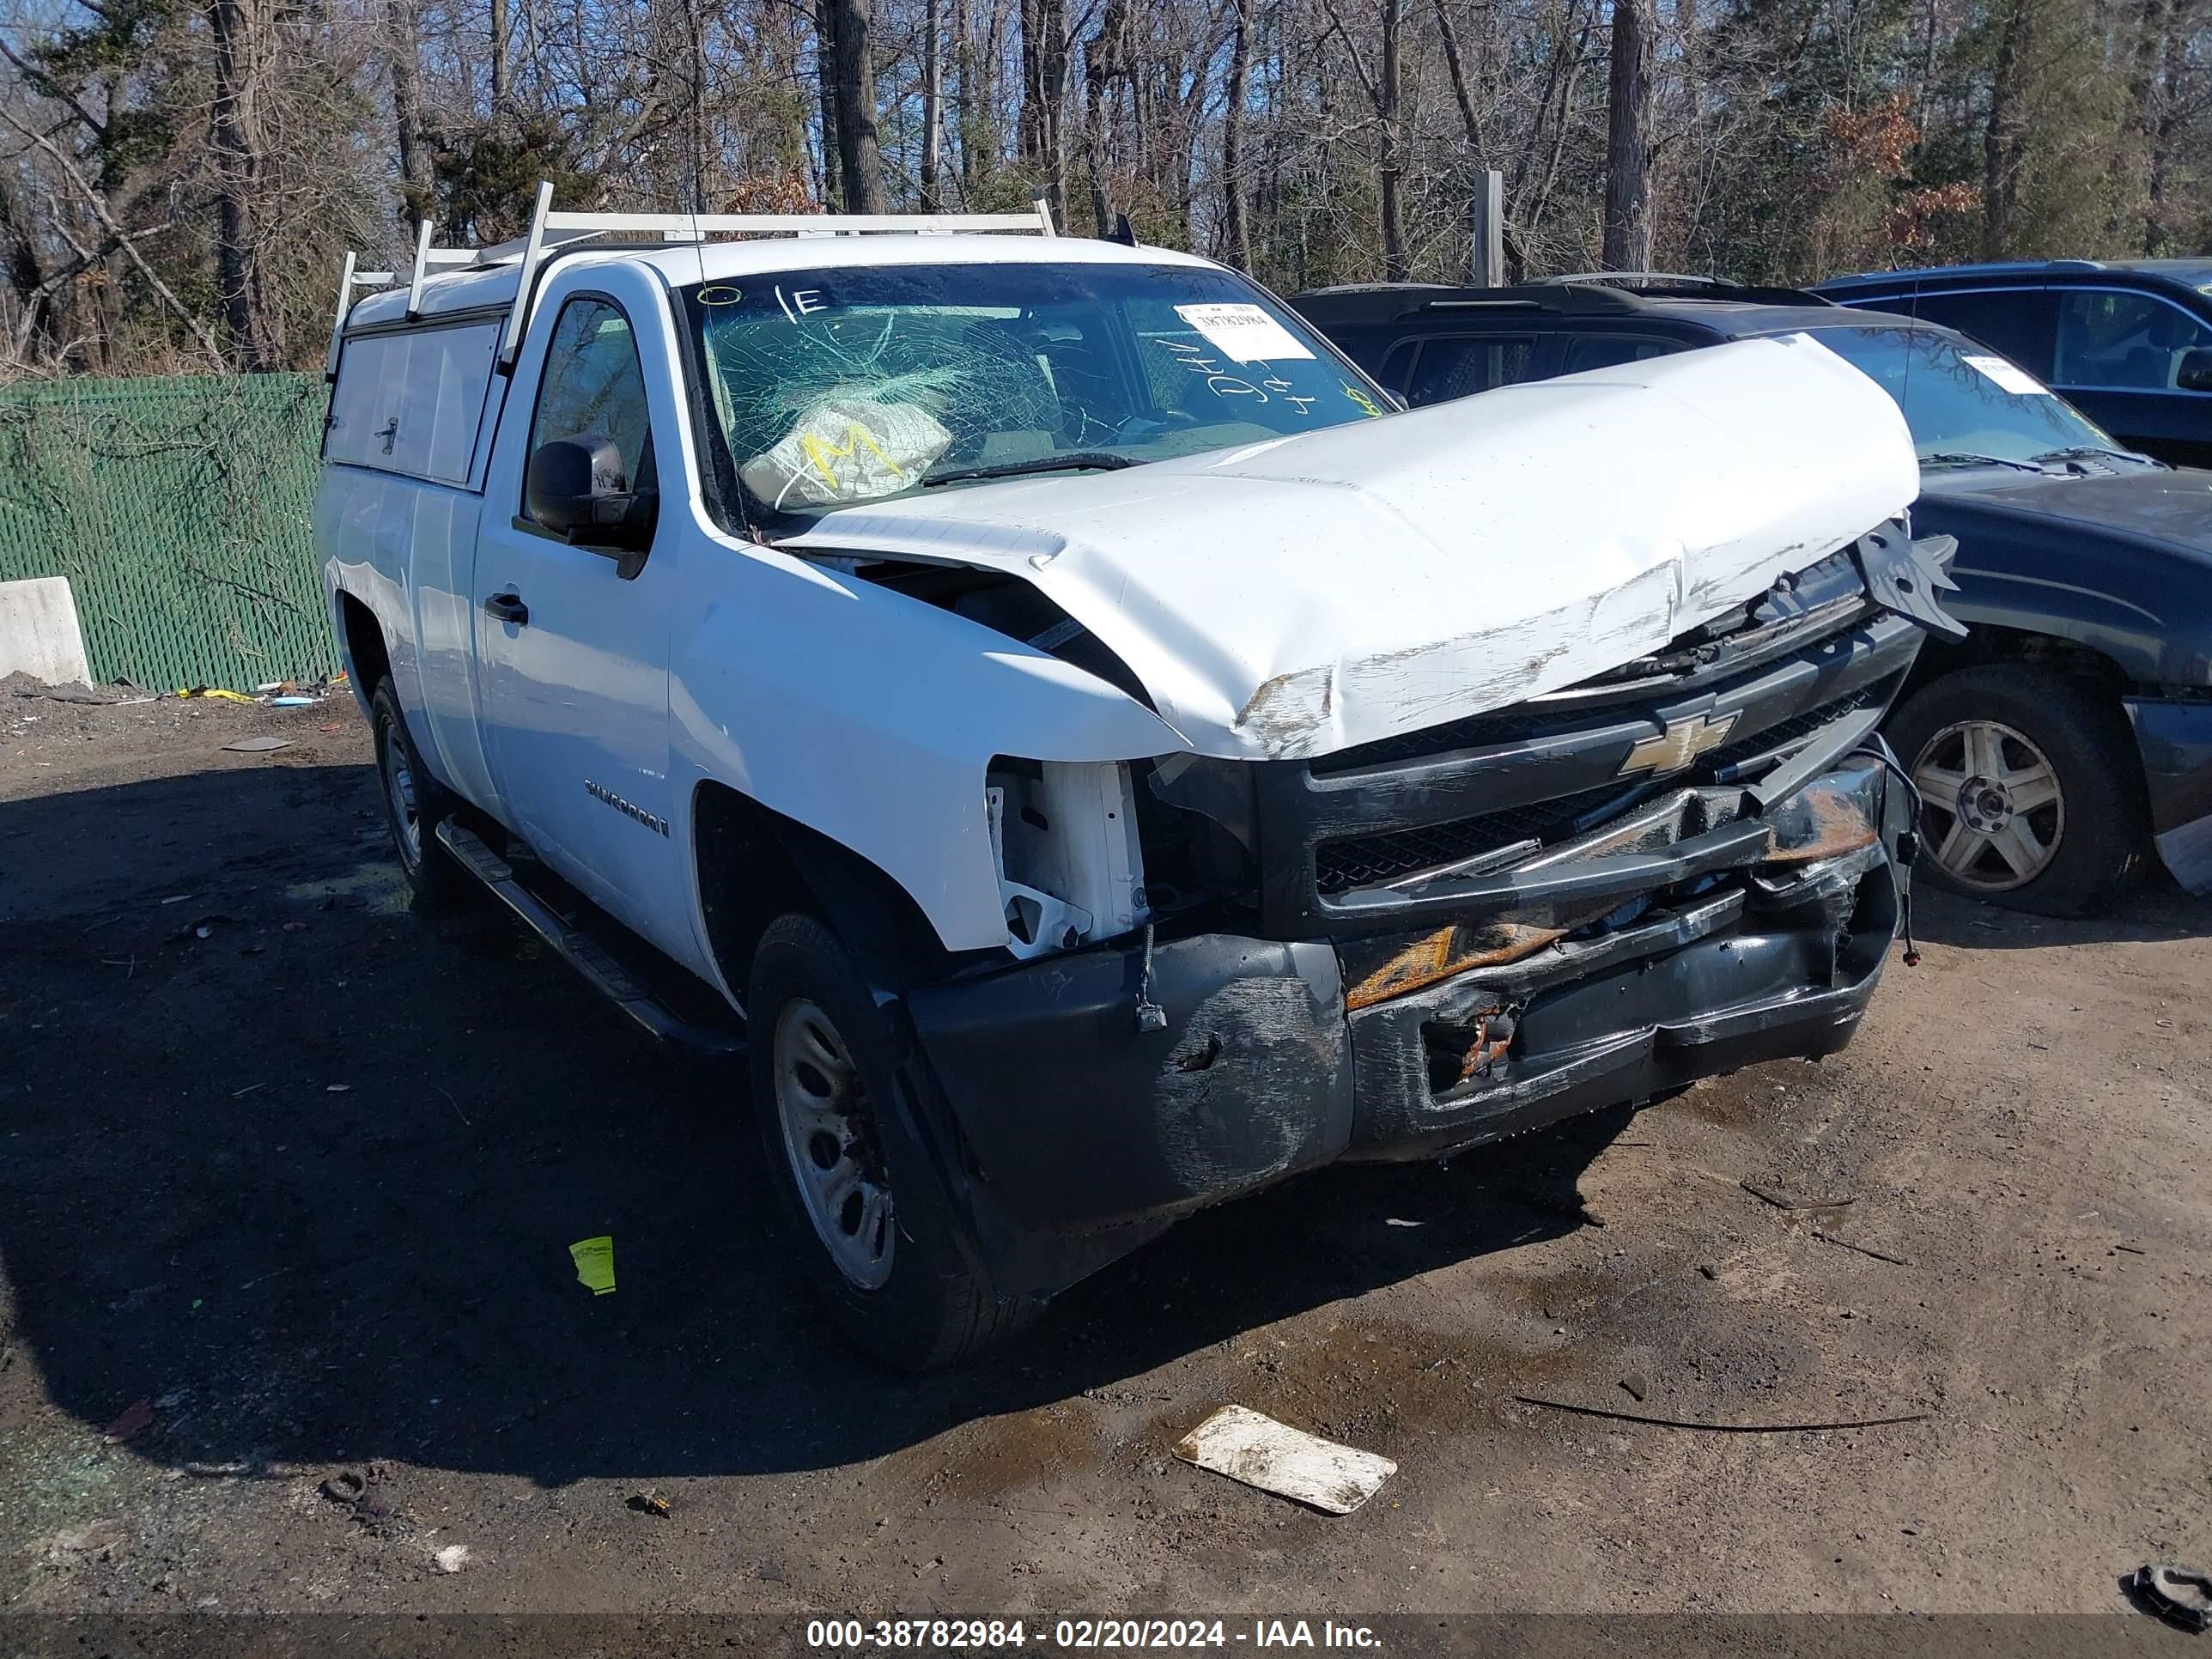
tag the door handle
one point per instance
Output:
(508, 608)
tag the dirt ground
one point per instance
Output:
(287, 1179)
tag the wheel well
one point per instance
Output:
(364, 643)
(755, 865)
(1984, 645)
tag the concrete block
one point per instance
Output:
(38, 632)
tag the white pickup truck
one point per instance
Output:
(1044, 706)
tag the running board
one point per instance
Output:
(584, 953)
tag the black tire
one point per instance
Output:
(933, 1306)
(2095, 833)
(439, 887)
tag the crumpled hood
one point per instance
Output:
(1285, 600)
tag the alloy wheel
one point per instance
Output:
(1994, 812)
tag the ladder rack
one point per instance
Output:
(549, 232)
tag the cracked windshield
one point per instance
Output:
(837, 387)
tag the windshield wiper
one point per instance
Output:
(1955, 458)
(1081, 460)
(2078, 452)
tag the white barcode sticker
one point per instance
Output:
(1243, 333)
(2011, 376)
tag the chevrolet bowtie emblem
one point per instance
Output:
(1683, 741)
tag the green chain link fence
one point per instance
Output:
(179, 508)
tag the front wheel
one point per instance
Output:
(866, 1212)
(2031, 791)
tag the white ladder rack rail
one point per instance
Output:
(550, 230)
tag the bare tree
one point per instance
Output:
(1236, 238)
(932, 107)
(234, 141)
(1044, 97)
(2004, 134)
(407, 109)
(1628, 205)
(859, 154)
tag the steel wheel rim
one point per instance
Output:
(828, 1138)
(1994, 814)
(400, 790)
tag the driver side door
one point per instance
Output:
(572, 641)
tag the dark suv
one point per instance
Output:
(2129, 343)
(2073, 724)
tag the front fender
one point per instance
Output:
(871, 717)
(2145, 606)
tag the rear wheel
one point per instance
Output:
(883, 1243)
(2031, 794)
(415, 803)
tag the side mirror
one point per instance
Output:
(2194, 372)
(577, 490)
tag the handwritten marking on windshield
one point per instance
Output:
(1220, 384)
(807, 300)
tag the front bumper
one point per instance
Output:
(1660, 951)
(2175, 736)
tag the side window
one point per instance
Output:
(1458, 368)
(2014, 322)
(1585, 351)
(593, 383)
(2131, 340)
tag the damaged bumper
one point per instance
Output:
(1715, 930)
(2175, 736)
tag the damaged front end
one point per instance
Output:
(1686, 864)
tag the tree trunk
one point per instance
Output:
(697, 161)
(1044, 94)
(825, 77)
(860, 158)
(1628, 213)
(932, 107)
(970, 73)
(1390, 162)
(236, 170)
(1470, 123)
(499, 86)
(1236, 232)
(2165, 134)
(2004, 140)
(407, 111)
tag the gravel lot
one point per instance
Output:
(305, 1186)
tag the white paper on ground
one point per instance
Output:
(1244, 333)
(2013, 378)
(1246, 1446)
